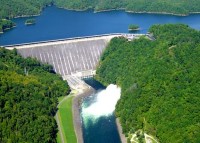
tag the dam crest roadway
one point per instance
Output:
(72, 58)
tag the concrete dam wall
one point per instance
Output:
(74, 57)
(68, 57)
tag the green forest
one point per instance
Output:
(14, 8)
(29, 94)
(179, 7)
(160, 82)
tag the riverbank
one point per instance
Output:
(76, 112)
(119, 128)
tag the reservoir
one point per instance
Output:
(98, 120)
(55, 23)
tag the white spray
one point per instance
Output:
(104, 105)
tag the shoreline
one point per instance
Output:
(137, 29)
(107, 10)
(26, 16)
(119, 128)
(76, 113)
(4, 30)
(162, 13)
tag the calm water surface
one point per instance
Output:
(55, 23)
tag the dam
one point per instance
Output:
(73, 58)
(77, 56)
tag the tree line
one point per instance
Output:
(29, 94)
(160, 82)
(14, 8)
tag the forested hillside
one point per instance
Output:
(28, 99)
(156, 6)
(14, 8)
(160, 82)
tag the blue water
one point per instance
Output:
(55, 23)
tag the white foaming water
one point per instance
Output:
(105, 103)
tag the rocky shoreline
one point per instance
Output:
(76, 112)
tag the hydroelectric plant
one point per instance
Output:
(76, 59)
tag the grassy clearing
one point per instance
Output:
(66, 120)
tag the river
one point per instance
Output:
(97, 112)
(55, 23)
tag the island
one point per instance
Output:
(133, 27)
(30, 21)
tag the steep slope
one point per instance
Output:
(28, 99)
(160, 82)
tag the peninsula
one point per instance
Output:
(6, 25)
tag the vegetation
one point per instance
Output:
(30, 21)
(66, 119)
(14, 8)
(160, 82)
(6, 24)
(28, 99)
(156, 6)
(133, 27)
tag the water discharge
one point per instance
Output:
(106, 101)
(98, 116)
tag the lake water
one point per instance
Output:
(55, 23)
